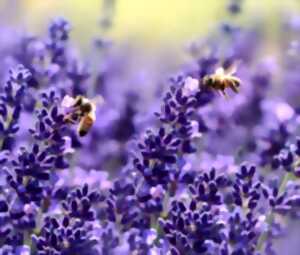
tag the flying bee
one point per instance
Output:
(81, 110)
(223, 79)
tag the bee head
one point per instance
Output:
(86, 107)
(208, 81)
(82, 132)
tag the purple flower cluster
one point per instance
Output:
(203, 174)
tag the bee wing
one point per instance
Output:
(231, 69)
(98, 100)
(220, 71)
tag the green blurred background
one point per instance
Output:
(153, 22)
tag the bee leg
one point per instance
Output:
(72, 118)
(233, 86)
(237, 82)
(68, 119)
(222, 93)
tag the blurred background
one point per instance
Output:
(164, 27)
(156, 23)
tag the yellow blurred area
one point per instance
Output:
(150, 21)
(154, 20)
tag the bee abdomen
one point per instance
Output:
(84, 125)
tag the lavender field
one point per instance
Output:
(111, 146)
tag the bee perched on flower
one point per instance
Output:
(81, 110)
(222, 79)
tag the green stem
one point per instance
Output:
(288, 176)
(27, 238)
(270, 217)
(1, 144)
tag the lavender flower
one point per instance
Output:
(12, 103)
(204, 174)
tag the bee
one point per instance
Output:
(223, 79)
(82, 111)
